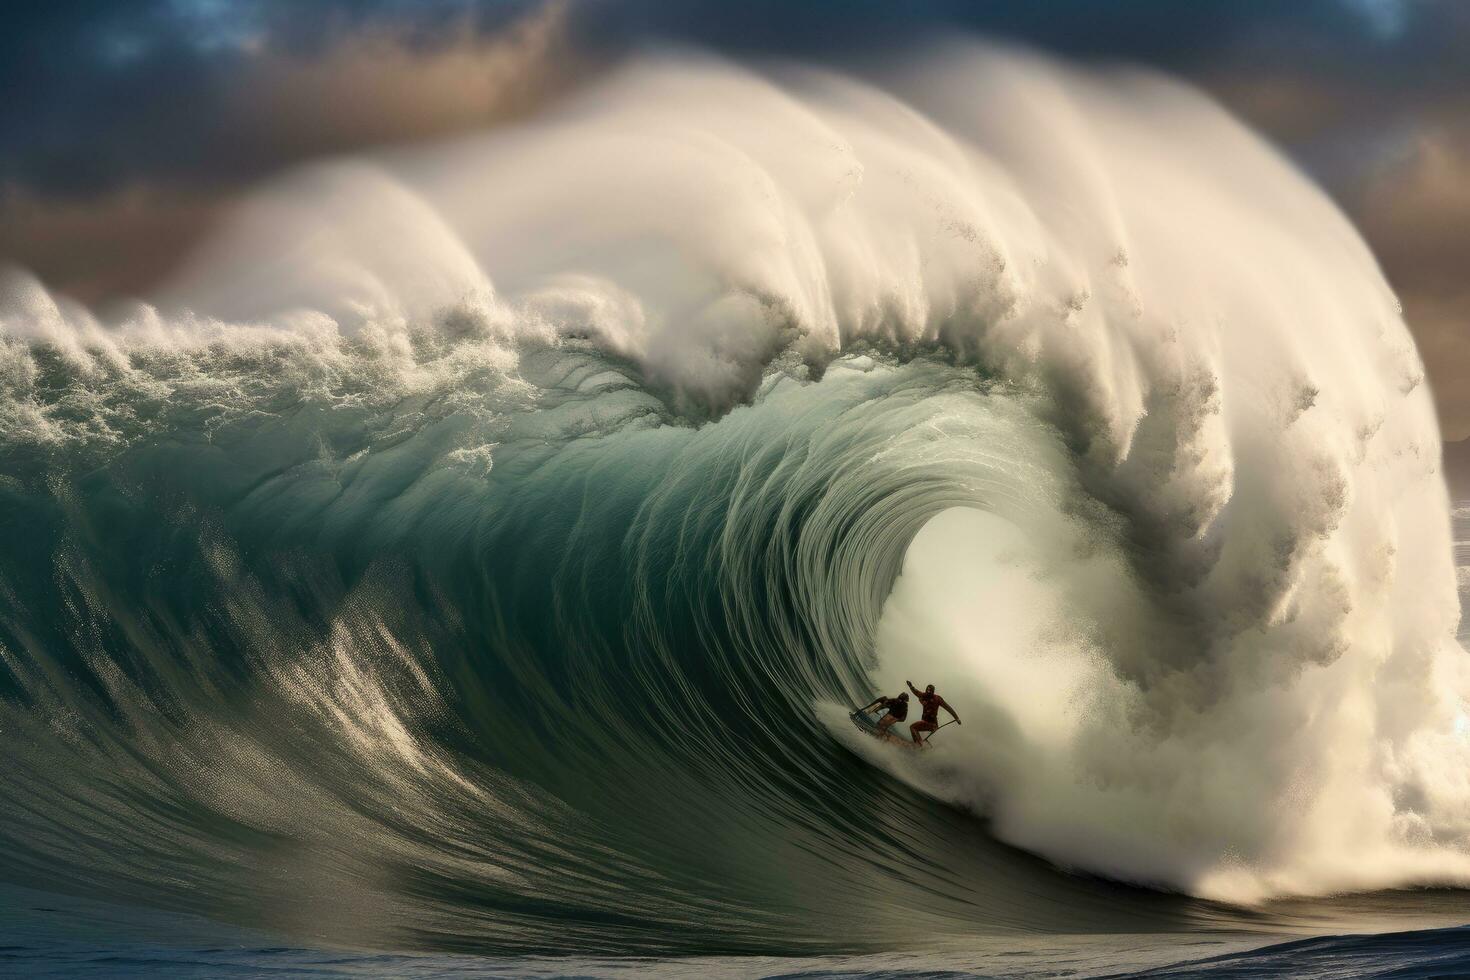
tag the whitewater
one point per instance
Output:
(479, 546)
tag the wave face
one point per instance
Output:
(479, 546)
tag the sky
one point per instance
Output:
(130, 126)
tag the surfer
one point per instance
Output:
(896, 710)
(932, 702)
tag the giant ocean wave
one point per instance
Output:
(479, 546)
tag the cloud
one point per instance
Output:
(101, 248)
(105, 198)
(1417, 215)
(373, 87)
(1386, 17)
(116, 100)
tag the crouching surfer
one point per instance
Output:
(929, 721)
(896, 710)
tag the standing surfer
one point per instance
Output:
(930, 720)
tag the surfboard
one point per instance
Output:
(868, 726)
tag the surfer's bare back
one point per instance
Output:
(895, 711)
(932, 702)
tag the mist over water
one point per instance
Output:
(493, 536)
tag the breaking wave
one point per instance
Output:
(480, 546)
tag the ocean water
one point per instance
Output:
(467, 564)
(49, 935)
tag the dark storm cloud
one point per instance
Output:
(106, 94)
(136, 123)
(129, 124)
(109, 93)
